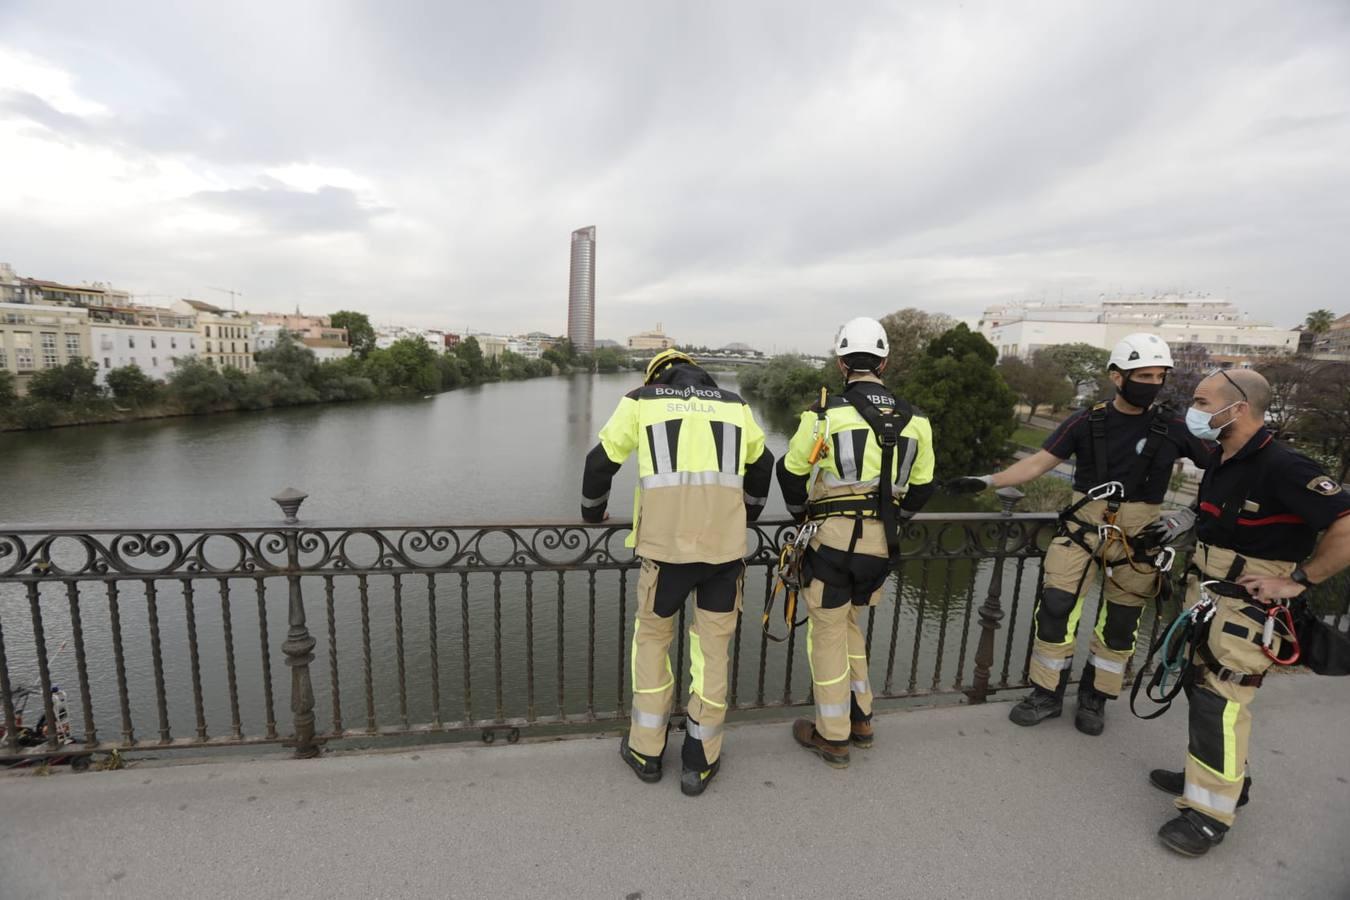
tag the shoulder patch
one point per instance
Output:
(1325, 486)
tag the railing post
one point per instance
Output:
(991, 611)
(299, 645)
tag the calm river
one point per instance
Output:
(503, 453)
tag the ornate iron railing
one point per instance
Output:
(440, 629)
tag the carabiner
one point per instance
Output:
(1166, 557)
(1279, 613)
(1107, 490)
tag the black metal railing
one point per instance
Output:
(441, 629)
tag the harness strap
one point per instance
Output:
(1142, 472)
(864, 505)
(1097, 429)
(886, 427)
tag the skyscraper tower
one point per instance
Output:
(581, 291)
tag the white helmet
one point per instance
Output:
(1141, 350)
(862, 336)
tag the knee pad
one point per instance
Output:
(1120, 626)
(1052, 619)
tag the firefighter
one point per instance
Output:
(872, 458)
(1125, 450)
(1261, 507)
(703, 472)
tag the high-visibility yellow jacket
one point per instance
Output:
(703, 470)
(853, 465)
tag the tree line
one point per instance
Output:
(288, 374)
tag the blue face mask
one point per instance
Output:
(1197, 421)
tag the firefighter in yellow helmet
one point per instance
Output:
(703, 472)
(876, 471)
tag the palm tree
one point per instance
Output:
(1319, 321)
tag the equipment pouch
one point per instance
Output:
(1325, 649)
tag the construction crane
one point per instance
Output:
(231, 291)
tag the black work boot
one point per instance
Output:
(1037, 706)
(645, 767)
(694, 782)
(1175, 782)
(1192, 833)
(1091, 715)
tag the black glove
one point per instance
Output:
(1169, 529)
(968, 484)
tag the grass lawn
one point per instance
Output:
(1028, 436)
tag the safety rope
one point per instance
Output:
(788, 581)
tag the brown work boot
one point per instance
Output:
(861, 734)
(836, 755)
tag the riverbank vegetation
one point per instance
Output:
(945, 370)
(288, 374)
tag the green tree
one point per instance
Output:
(1083, 364)
(360, 333)
(289, 358)
(909, 331)
(1324, 417)
(1190, 364)
(609, 359)
(414, 367)
(197, 387)
(957, 387)
(1037, 383)
(72, 384)
(475, 367)
(132, 387)
(1319, 321)
(9, 393)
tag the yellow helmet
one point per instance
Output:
(664, 360)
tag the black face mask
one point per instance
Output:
(1138, 394)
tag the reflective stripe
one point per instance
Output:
(811, 655)
(861, 687)
(1055, 664)
(702, 732)
(832, 710)
(588, 503)
(1210, 800)
(691, 479)
(1107, 665)
(633, 666)
(648, 720)
(1231, 772)
(848, 467)
(834, 481)
(660, 448)
(730, 446)
(755, 501)
(911, 449)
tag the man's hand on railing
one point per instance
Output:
(968, 484)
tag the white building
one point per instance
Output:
(524, 347)
(224, 337)
(328, 347)
(148, 337)
(1022, 329)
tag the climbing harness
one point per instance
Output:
(788, 580)
(1185, 644)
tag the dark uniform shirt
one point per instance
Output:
(1125, 438)
(1287, 499)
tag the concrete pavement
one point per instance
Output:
(952, 802)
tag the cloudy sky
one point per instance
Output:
(757, 171)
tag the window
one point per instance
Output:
(208, 331)
(173, 343)
(233, 348)
(245, 346)
(131, 341)
(208, 346)
(49, 358)
(72, 346)
(192, 343)
(154, 362)
(107, 363)
(153, 345)
(4, 360)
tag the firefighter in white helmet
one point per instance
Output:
(871, 455)
(1125, 449)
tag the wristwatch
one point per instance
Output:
(1300, 576)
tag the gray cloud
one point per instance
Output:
(755, 170)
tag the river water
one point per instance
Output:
(503, 453)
